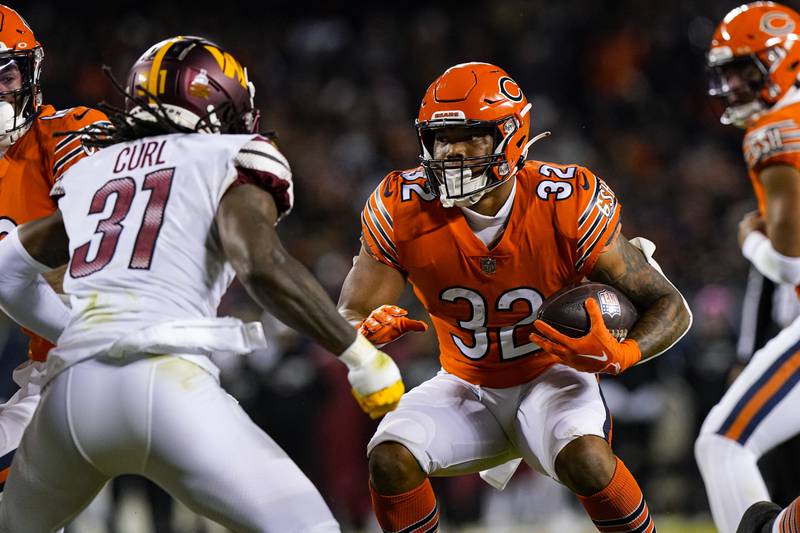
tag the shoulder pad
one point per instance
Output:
(262, 155)
(408, 185)
(770, 139)
(74, 116)
(558, 181)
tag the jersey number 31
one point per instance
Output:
(159, 183)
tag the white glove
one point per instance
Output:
(374, 376)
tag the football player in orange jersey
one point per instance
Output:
(484, 236)
(32, 160)
(753, 61)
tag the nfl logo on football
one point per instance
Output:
(609, 303)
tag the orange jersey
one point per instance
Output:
(483, 301)
(31, 166)
(773, 140)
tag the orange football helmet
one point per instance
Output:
(753, 59)
(20, 65)
(483, 97)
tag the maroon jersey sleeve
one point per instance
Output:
(260, 163)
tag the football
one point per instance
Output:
(565, 311)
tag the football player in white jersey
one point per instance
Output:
(155, 226)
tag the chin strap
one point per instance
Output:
(530, 143)
(461, 202)
(740, 116)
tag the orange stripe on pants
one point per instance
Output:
(762, 396)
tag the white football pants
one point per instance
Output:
(168, 420)
(758, 412)
(453, 427)
(17, 412)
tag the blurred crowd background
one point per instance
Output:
(620, 84)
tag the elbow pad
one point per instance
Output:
(775, 266)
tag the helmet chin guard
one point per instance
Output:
(458, 183)
(8, 124)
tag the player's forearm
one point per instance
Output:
(368, 285)
(287, 289)
(24, 295)
(352, 308)
(664, 315)
(758, 249)
(353, 317)
(661, 325)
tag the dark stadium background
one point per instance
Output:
(621, 86)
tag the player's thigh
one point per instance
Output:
(759, 409)
(446, 428)
(560, 405)
(207, 452)
(50, 481)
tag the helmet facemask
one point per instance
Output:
(743, 84)
(18, 106)
(463, 181)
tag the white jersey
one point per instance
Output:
(140, 217)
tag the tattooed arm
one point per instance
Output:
(663, 315)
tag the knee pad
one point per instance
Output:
(415, 433)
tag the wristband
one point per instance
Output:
(358, 353)
(772, 264)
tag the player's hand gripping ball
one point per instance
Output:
(586, 327)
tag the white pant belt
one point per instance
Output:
(204, 336)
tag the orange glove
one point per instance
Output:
(388, 323)
(597, 351)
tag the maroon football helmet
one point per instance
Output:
(195, 84)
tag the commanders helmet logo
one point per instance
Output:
(199, 86)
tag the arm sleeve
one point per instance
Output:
(775, 266)
(260, 163)
(377, 225)
(69, 149)
(590, 222)
(24, 294)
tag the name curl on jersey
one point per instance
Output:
(139, 155)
